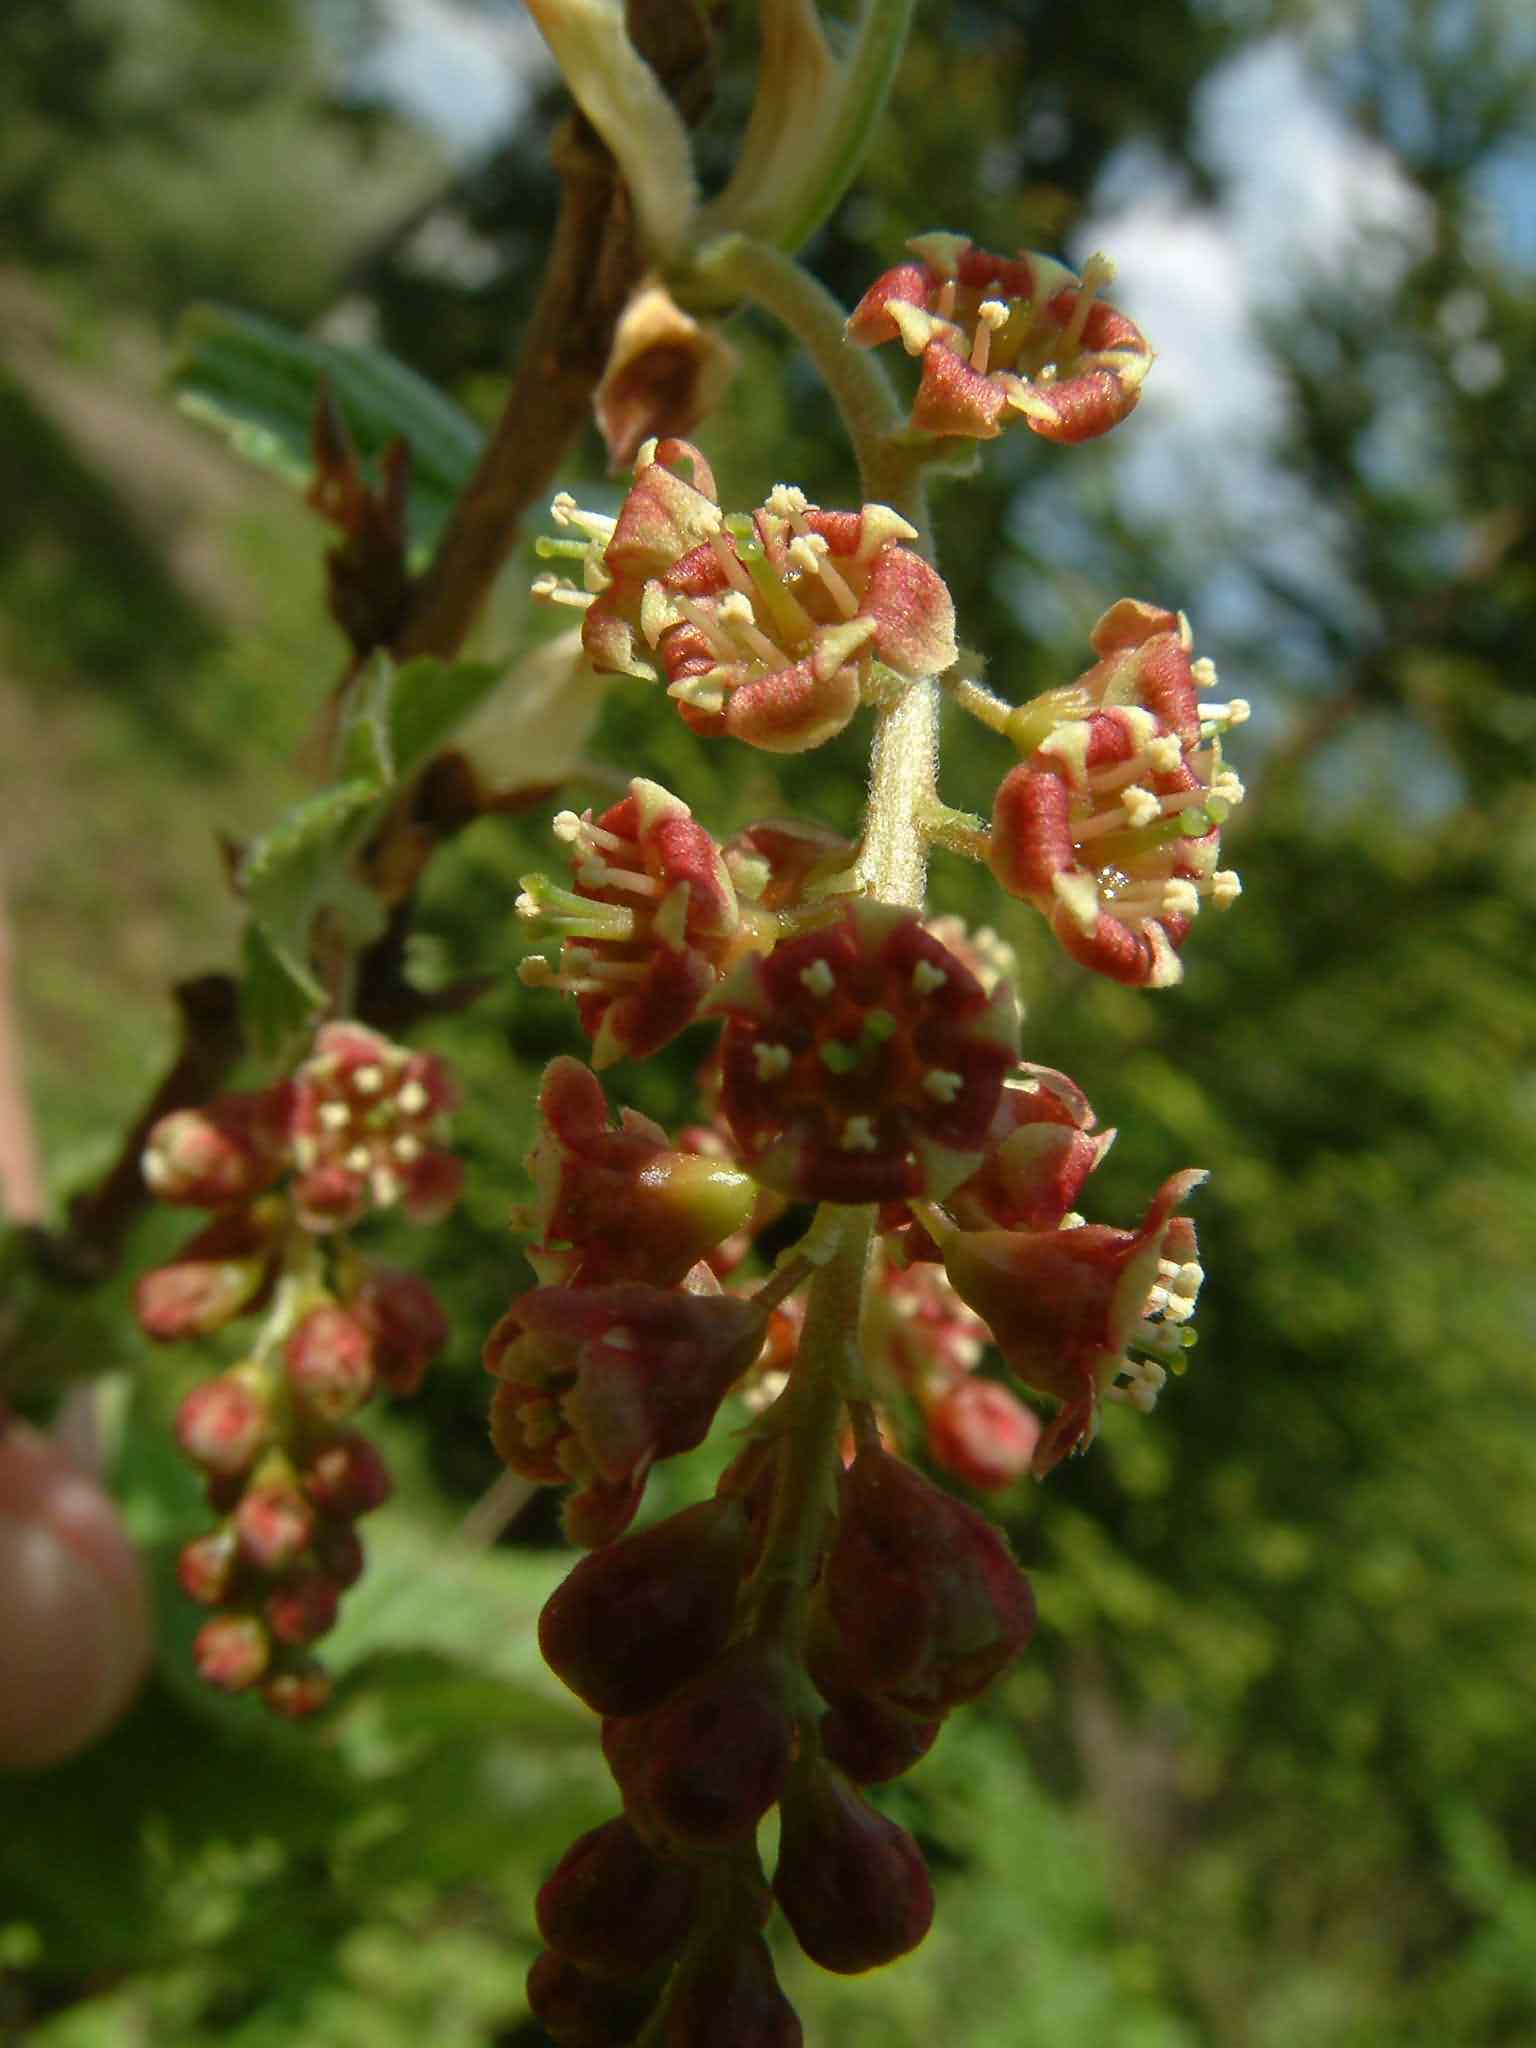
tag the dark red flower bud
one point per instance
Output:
(928, 1602)
(578, 2011)
(273, 1525)
(613, 1906)
(329, 1358)
(407, 1323)
(730, 1995)
(231, 1651)
(852, 1884)
(206, 1567)
(338, 1552)
(872, 1742)
(347, 1477)
(303, 1609)
(224, 1424)
(638, 1618)
(226, 1152)
(700, 1771)
(297, 1690)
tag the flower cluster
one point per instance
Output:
(1111, 824)
(286, 1171)
(677, 1638)
(772, 628)
(804, 1632)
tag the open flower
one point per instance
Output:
(366, 1124)
(600, 1382)
(765, 628)
(649, 924)
(862, 1061)
(1077, 1311)
(1006, 338)
(1111, 826)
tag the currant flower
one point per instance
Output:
(1111, 826)
(621, 1203)
(600, 1382)
(766, 628)
(1006, 338)
(650, 923)
(861, 1061)
(1084, 1314)
(366, 1131)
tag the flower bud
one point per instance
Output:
(700, 1771)
(852, 1884)
(224, 1424)
(231, 1652)
(347, 1477)
(194, 1296)
(613, 1907)
(206, 1567)
(297, 1690)
(224, 1153)
(872, 1742)
(329, 1360)
(303, 1608)
(273, 1526)
(338, 1552)
(579, 2011)
(730, 1995)
(982, 1434)
(928, 1602)
(638, 1618)
(407, 1323)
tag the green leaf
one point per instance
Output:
(297, 870)
(255, 383)
(430, 700)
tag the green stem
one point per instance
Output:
(827, 1367)
(739, 267)
(805, 155)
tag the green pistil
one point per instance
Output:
(548, 549)
(839, 1057)
(790, 623)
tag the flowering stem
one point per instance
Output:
(741, 267)
(826, 1370)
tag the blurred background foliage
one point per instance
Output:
(1268, 1773)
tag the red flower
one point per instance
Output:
(621, 1204)
(1112, 825)
(649, 926)
(1075, 1311)
(862, 1062)
(366, 1120)
(1006, 338)
(600, 1382)
(766, 629)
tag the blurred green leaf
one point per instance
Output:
(255, 383)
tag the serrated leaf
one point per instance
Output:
(276, 1008)
(302, 867)
(255, 383)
